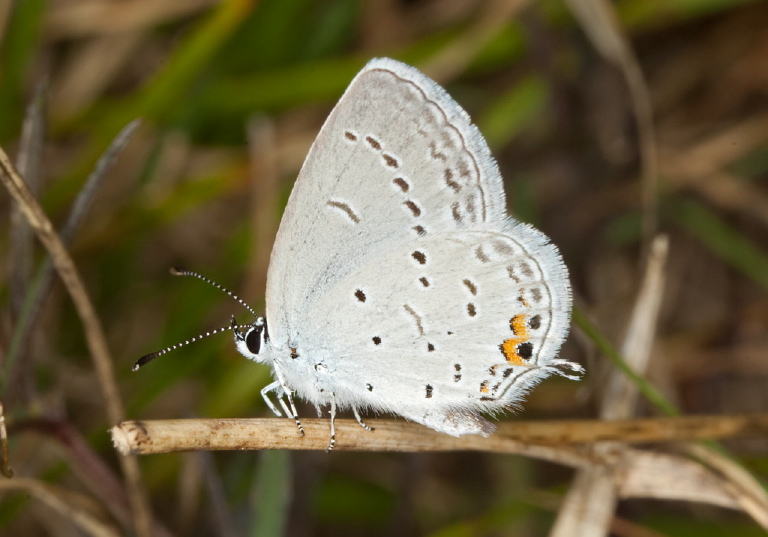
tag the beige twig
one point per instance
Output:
(83, 511)
(541, 439)
(589, 506)
(94, 333)
(748, 492)
(600, 22)
(454, 58)
(5, 457)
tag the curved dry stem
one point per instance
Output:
(601, 24)
(551, 440)
(94, 334)
(583, 444)
(84, 512)
(5, 457)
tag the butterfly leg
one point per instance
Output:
(333, 423)
(274, 387)
(287, 394)
(360, 420)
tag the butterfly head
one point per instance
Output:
(252, 340)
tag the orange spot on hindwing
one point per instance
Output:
(484, 387)
(517, 349)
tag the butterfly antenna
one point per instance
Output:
(184, 272)
(144, 360)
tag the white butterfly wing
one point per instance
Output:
(397, 281)
(461, 321)
(396, 155)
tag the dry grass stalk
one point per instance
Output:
(5, 457)
(84, 512)
(541, 439)
(94, 333)
(749, 493)
(627, 472)
(591, 501)
(454, 58)
(599, 21)
(703, 167)
(265, 191)
(98, 17)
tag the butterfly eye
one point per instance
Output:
(253, 339)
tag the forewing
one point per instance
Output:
(397, 159)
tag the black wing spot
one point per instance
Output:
(526, 269)
(416, 317)
(434, 153)
(424, 281)
(471, 206)
(402, 183)
(420, 257)
(525, 350)
(430, 347)
(448, 177)
(455, 212)
(535, 322)
(419, 230)
(360, 295)
(377, 340)
(351, 136)
(390, 161)
(373, 142)
(346, 209)
(503, 248)
(471, 286)
(369, 387)
(415, 209)
(429, 391)
(471, 310)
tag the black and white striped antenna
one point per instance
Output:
(232, 326)
(183, 272)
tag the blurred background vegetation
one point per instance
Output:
(231, 94)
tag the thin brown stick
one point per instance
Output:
(452, 59)
(742, 485)
(600, 22)
(94, 333)
(590, 504)
(166, 436)
(82, 511)
(5, 457)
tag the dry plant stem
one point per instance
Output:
(28, 161)
(264, 189)
(620, 396)
(5, 458)
(589, 506)
(545, 437)
(600, 22)
(94, 334)
(455, 57)
(81, 510)
(37, 293)
(747, 491)
(84, 19)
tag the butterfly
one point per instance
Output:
(397, 282)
